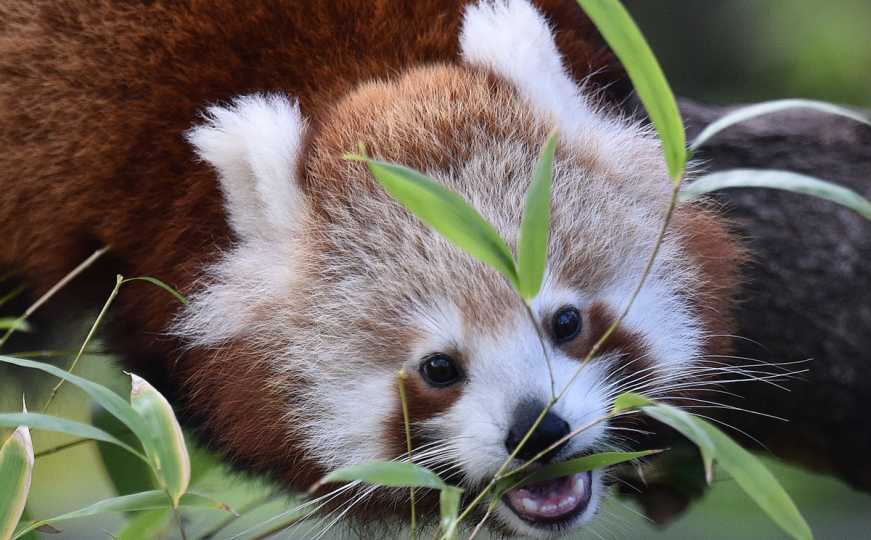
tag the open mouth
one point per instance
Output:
(552, 501)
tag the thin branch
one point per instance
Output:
(118, 281)
(405, 419)
(593, 351)
(61, 447)
(51, 292)
(541, 342)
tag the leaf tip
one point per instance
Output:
(138, 385)
(21, 437)
(709, 471)
(351, 156)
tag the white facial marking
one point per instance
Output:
(513, 39)
(662, 317)
(508, 367)
(353, 410)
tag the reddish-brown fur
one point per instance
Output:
(94, 100)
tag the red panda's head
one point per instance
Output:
(332, 286)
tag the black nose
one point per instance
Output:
(551, 429)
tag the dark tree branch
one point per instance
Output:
(808, 292)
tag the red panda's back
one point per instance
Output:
(95, 97)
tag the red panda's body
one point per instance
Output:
(96, 104)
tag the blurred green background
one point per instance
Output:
(719, 51)
(731, 51)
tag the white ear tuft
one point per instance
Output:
(513, 39)
(254, 144)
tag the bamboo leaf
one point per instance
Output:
(747, 471)
(46, 422)
(385, 473)
(678, 419)
(758, 482)
(628, 401)
(154, 281)
(688, 426)
(164, 445)
(106, 398)
(535, 227)
(127, 473)
(16, 472)
(12, 295)
(147, 525)
(12, 323)
(449, 508)
(777, 179)
(268, 527)
(627, 42)
(769, 107)
(566, 468)
(147, 500)
(447, 213)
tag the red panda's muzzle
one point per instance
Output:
(552, 501)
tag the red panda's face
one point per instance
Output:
(337, 287)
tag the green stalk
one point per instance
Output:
(51, 292)
(593, 351)
(405, 418)
(119, 280)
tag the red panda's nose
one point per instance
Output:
(551, 429)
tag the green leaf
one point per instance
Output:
(13, 323)
(164, 445)
(108, 399)
(678, 419)
(32, 535)
(16, 472)
(447, 213)
(628, 401)
(566, 468)
(147, 525)
(148, 500)
(46, 422)
(758, 482)
(265, 525)
(449, 504)
(385, 473)
(535, 228)
(688, 426)
(154, 281)
(627, 42)
(777, 179)
(127, 473)
(747, 471)
(12, 295)
(768, 107)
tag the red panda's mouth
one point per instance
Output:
(552, 501)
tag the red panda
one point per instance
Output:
(203, 141)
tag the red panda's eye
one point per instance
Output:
(566, 324)
(440, 370)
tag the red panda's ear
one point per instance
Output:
(514, 40)
(254, 145)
